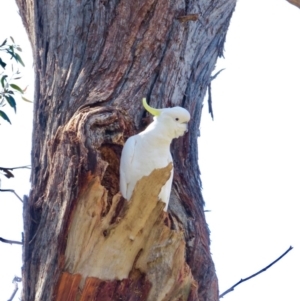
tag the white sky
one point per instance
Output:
(249, 156)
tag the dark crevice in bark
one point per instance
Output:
(157, 71)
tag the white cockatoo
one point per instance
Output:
(150, 149)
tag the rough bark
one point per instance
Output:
(94, 62)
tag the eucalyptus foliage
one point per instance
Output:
(9, 90)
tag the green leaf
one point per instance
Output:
(18, 58)
(2, 63)
(12, 39)
(16, 88)
(11, 102)
(11, 47)
(19, 48)
(4, 116)
(3, 78)
(3, 43)
(26, 99)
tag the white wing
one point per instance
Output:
(125, 165)
(134, 166)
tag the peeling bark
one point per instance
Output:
(94, 62)
(137, 250)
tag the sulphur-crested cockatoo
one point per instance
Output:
(150, 149)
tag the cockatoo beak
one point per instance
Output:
(154, 112)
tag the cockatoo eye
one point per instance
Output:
(176, 119)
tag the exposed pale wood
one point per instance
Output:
(95, 243)
(137, 240)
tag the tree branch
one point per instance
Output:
(15, 281)
(216, 74)
(262, 270)
(11, 190)
(14, 292)
(7, 241)
(209, 99)
(9, 174)
(18, 167)
(295, 2)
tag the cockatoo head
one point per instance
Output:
(174, 119)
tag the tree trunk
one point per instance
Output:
(94, 62)
(295, 2)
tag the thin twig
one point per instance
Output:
(216, 74)
(18, 167)
(209, 99)
(14, 292)
(9, 174)
(11, 190)
(7, 241)
(262, 270)
(15, 281)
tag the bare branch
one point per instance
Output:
(215, 75)
(18, 167)
(7, 170)
(7, 241)
(209, 100)
(11, 190)
(262, 270)
(14, 292)
(15, 281)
